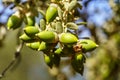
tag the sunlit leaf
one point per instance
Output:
(60, 13)
(72, 25)
(42, 24)
(72, 5)
(59, 27)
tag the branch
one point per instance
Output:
(16, 55)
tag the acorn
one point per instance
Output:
(52, 59)
(48, 60)
(79, 56)
(33, 45)
(68, 38)
(51, 13)
(14, 21)
(77, 62)
(30, 19)
(26, 38)
(48, 36)
(31, 30)
(87, 45)
(43, 46)
(58, 51)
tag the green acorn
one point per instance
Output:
(87, 45)
(31, 30)
(48, 60)
(52, 59)
(68, 38)
(65, 51)
(26, 38)
(33, 45)
(47, 36)
(43, 46)
(14, 21)
(77, 62)
(51, 12)
(30, 19)
(58, 51)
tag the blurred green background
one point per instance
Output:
(31, 66)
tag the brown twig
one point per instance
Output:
(16, 55)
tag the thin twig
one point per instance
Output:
(16, 55)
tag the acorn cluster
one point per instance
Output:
(53, 36)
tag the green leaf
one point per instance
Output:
(42, 12)
(60, 13)
(42, 24)
(53, 25)
(66, 5)
(67, 51)
(59, 28)
(79, 5)
(72, 5)
(56, 60)
(81, 23)
(72, 25)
